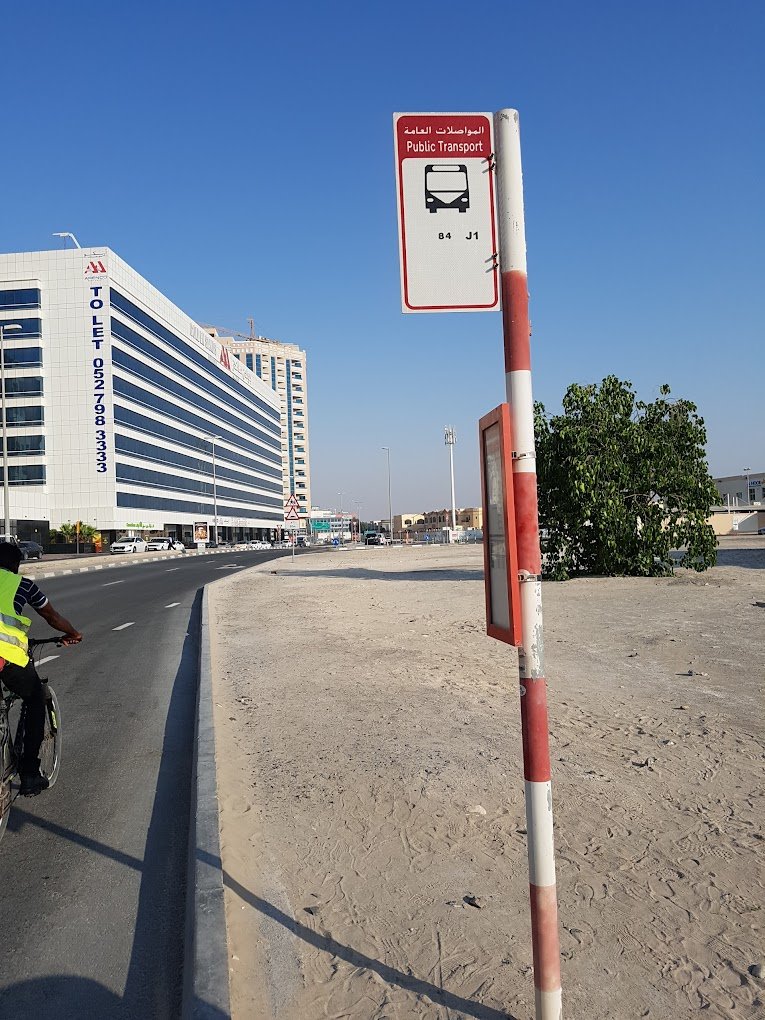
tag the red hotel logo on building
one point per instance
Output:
(95, 268)
(224, 359)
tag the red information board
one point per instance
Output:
(500, 554)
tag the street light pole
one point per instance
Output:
(390, 504)
(341, 532)
(5, 327)
(746, 473)
(450, 439)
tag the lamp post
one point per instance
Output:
(450, 439)
(65, 234)
(341, 530)
(357, 504)
(5, 327)
(746, 473)
(213, 440)
(390, 504)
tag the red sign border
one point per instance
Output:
(496, 305)
(514, 634)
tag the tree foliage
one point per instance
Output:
(67, 532)
(622, 482)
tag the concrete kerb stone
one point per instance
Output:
(206, 970)
(24, 568)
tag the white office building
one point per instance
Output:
(125, 414)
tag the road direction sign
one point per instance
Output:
(446, 212)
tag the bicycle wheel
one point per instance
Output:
(6, 794)
(6, 799)
(50, 749)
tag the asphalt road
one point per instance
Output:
(93, 872)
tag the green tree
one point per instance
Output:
(622, 482)
(67, 532)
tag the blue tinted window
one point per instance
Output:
(160, 455)
(24, 474)
(258, 366)
(141, 396)
(124, 416)
(18, 445)
(179, 483)
(135, 501)
(28, 298)
(210, 368)
(214, 413)
(23, 386)
(248, 359)
(24, 416)
(23, 356)
(129, 336)
(31, 329)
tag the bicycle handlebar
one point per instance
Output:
(34, 642)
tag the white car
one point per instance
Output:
(128, 544)
(164, 543)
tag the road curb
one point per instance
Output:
(206, 977)
(118, 562)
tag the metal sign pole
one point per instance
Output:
(536, 752)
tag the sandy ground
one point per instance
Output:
(370, 778)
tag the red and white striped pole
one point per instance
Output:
(536, 751)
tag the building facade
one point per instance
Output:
(124, 413)
(744, 489)
(414, 524)
(283, 368)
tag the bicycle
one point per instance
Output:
(11, 745)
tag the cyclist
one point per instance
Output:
(19, 674)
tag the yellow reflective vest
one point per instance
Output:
(13, 627)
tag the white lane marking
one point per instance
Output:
(48, 658)
(171, 569)
(172, 604)
(108, 583)
(122, 626)
(231, 566)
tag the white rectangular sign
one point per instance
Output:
(446, 212)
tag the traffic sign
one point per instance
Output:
(291, 514)
(292, 501)
(446, 210)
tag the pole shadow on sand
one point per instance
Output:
(326, 944)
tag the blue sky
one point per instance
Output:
(240, 156)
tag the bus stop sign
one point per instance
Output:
(446, 212)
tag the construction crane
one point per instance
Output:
(252, 335)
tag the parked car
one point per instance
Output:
(377, 539)
(128, 544)
(31, 550)
(164, 542)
